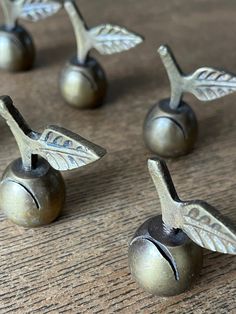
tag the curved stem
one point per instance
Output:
(80, 30)
(174, 74)
(19, 128)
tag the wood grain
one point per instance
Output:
(79, 263)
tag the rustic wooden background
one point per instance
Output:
(79, 263)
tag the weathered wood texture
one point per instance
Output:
(79, 263)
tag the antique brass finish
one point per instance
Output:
(32, 198)
(164, 264)
(170, 128)
(177, 129)
(83, 86)
(83, 83)
(199, 220)
(162, 257)
(32, 189)
(17, 50)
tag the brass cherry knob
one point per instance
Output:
(32, 198)
(170, 127)
(163, 262)
(170, 132)
(83, 82)
(165, 254)
(16, 44)
(32, 190)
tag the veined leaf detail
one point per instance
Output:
(209, 84)
(109, 39)
(35, 10)
(207, 230)
(65, 150)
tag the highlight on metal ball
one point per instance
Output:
(16, 44)
(32, 190)
(83, 82)
(165, 254)
(170, 127)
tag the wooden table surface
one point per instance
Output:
(79, 263)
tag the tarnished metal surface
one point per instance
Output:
(83, 84)
(163, 263)
(105, 38)
(168, 132)
(199, 220)
(162, 257)
(32, 189)
(205, 83)
(32, 198)
(17, 51)
(172, 132)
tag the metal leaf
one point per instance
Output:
(205, 83)
(65, 150)
(209, 84)
(35, 10)
(207, 228)
(109, 39)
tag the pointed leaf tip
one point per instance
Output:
(206, 227)
(65, 150)
(208, 84)
(109, 39)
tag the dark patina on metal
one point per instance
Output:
(16, 44)
(165, 254)
(170, 128)
(170, 132)
(83, 83)
(32, 190)
(164, 262)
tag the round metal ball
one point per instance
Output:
(17, 51)
(168, 132)
(163, 262)
(32, 198)
(83, 86)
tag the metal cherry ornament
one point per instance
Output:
(83, 82)
(170, 128)
(17, 50)
(32, 190)
(165, 254)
